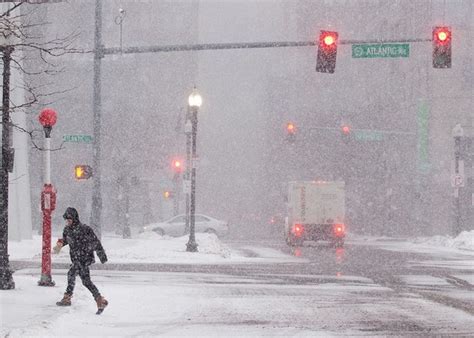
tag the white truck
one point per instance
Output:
(315, 211)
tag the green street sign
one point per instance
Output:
(381, 50)
(77, 138)
(423, 117)
(368, 135)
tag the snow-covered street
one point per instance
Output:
(187, 304)
(279, 293)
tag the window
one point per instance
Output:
(200, 218)
(178, 219)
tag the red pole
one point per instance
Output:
(48, 197)
(48, 204)
(46, 253)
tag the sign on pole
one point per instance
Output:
(77, 138)
(457, 181)
(368, 135)
(186, 186)
(381, 50)
(457, 176)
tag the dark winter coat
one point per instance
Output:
(82, 241)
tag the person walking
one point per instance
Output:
(82, 244)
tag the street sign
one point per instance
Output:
(368, 135)
(457, 181)
(458, 131)
(381, 50)
(77, 138)
(457, 174)
(186, 186)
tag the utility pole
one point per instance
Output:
(6, 277)
(97, 107)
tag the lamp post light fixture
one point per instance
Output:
(194, 101)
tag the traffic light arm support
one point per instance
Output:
(397, 132)
(242, 45)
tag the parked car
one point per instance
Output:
(175, 226)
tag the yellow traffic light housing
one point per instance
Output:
(82, 172)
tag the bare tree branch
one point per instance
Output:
(7, 13)
(24, 34)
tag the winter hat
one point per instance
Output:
(71, 213)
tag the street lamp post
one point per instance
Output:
(195, 102)
(47, 118)
(187, 187)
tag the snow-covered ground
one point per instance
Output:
(153, 248)
(190, 304)
(441, 251)
(463, 242)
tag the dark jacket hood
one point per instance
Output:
(71, 213)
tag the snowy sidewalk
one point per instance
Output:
(153, 248)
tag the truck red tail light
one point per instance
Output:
(339, 229)
(297, 230)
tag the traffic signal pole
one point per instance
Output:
(97, 108)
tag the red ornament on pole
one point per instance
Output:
(48, 117)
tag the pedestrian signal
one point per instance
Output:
(82, 172)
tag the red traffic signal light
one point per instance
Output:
(177, 165)
(290, 132)
(327, 52)
(290, 128)
(442, 47)
(82, 172)
(329, 39)
(346, 133)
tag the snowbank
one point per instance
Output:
(465, 240)
(153, 248)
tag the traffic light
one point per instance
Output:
(290, 132)
(82, 172)
(346, 132)
(442, 47)
(167, 194)
(177, 165)
(327, 52)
